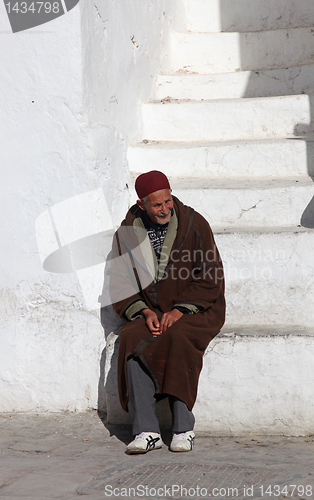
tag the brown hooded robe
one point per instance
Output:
(193, 276)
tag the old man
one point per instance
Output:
(167, 284)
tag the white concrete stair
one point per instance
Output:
(269, 276)
(257, 381)
(258, 159)
(233, 85)
(227, 119)
(247, 204)
(229, 52)
(244, 163)
(245, 15)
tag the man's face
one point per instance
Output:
(158, 206)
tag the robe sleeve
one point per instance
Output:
(133, 311)
(128, 275)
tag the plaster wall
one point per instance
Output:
(126, 46)
(69, 96)
(256, 384)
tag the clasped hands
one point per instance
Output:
(158, 327)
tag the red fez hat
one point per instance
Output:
(150, 182)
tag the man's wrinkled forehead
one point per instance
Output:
(157, 197)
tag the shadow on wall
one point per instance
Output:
(290, 50)
(108, 401)
(110, 321)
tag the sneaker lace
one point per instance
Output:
(151, 441)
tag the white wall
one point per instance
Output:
(122, 56)
(69, 98)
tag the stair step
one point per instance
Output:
(226, 160)
(223, 120)
(265, 83)
(246, 15)
(248, 206)
(257, 381)
(229, 52)
(269, 276)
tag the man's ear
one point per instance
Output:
(141, 205)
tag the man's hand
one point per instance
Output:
(152, 322)
(169, 318)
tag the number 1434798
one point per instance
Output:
(34, 7)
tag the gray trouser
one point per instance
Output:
(142, 401)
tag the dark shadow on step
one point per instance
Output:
(302, 132)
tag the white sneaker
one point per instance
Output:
(144, 442)
(183, 441)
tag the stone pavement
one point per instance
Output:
(74, 455)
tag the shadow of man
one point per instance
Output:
(111, 414)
